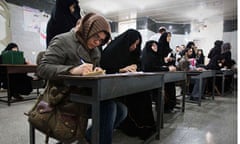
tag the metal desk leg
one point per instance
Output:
(223, 81)
(160, 111)
(95, 139)
(200, 91)
(213, 88)
(184, 95)
(8, 90)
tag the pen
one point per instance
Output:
(82, 61)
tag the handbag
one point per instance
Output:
(53, 121)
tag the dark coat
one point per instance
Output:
(117, 55)
(62, 20)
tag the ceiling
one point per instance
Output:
(176, 11)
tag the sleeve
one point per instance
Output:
(53, 62)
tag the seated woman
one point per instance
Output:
(17, 87)
(157, 57)
(65, 55)
(120, 56)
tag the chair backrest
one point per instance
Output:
(39, 56)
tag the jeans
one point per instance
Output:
(195, 91)
(111, 115)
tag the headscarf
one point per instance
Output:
(191, 45)
(150, 59)
(10, 46)
(90, 25)
(117, 55)
(216, 50)
(163, 45)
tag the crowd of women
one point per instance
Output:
(78, 50)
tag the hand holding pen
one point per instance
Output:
(95, 69)
(82, 69)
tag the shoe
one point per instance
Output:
(169, 111)
(17, 96)
(193, 98)
(203, 98)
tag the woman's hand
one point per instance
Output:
(130, 68)
(82, 69)
(98, 69)
(172, 68)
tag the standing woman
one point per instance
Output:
(64, 17)
(120, 56)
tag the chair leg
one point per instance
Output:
(218, 92)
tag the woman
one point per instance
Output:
(150, 57)
(191, 45)
(17, 87)
(64, 17)
(200, 58)
(65, 55)
(123, 55)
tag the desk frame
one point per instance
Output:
(8, 69)
(222, 74)
(105, 87)
(175, 77)
(202, 75)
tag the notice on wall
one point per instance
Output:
(32, 19)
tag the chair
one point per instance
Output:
(37, 81)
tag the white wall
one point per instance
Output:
(5, 32)
(206, 33)
(231, 37)
(28, 42)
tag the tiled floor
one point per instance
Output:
(215, 122)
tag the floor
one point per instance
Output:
(215, 122)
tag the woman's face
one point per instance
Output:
(15, 49)
(72, 8)
(189, 52)
(96, 40)
(168, 37)
(154, 47)
(199, 52)
(134, 45)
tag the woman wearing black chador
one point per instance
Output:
(64, 17)
(123, 55)
(157, 57)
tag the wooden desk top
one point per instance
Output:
(17, 68)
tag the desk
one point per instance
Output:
(8, 69)
(110, 86)
(222, 74)
(200, 75)
(175, 77)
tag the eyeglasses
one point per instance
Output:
(96, 37)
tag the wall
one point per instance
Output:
(5, 30)
(28, 42)
(231, 37)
